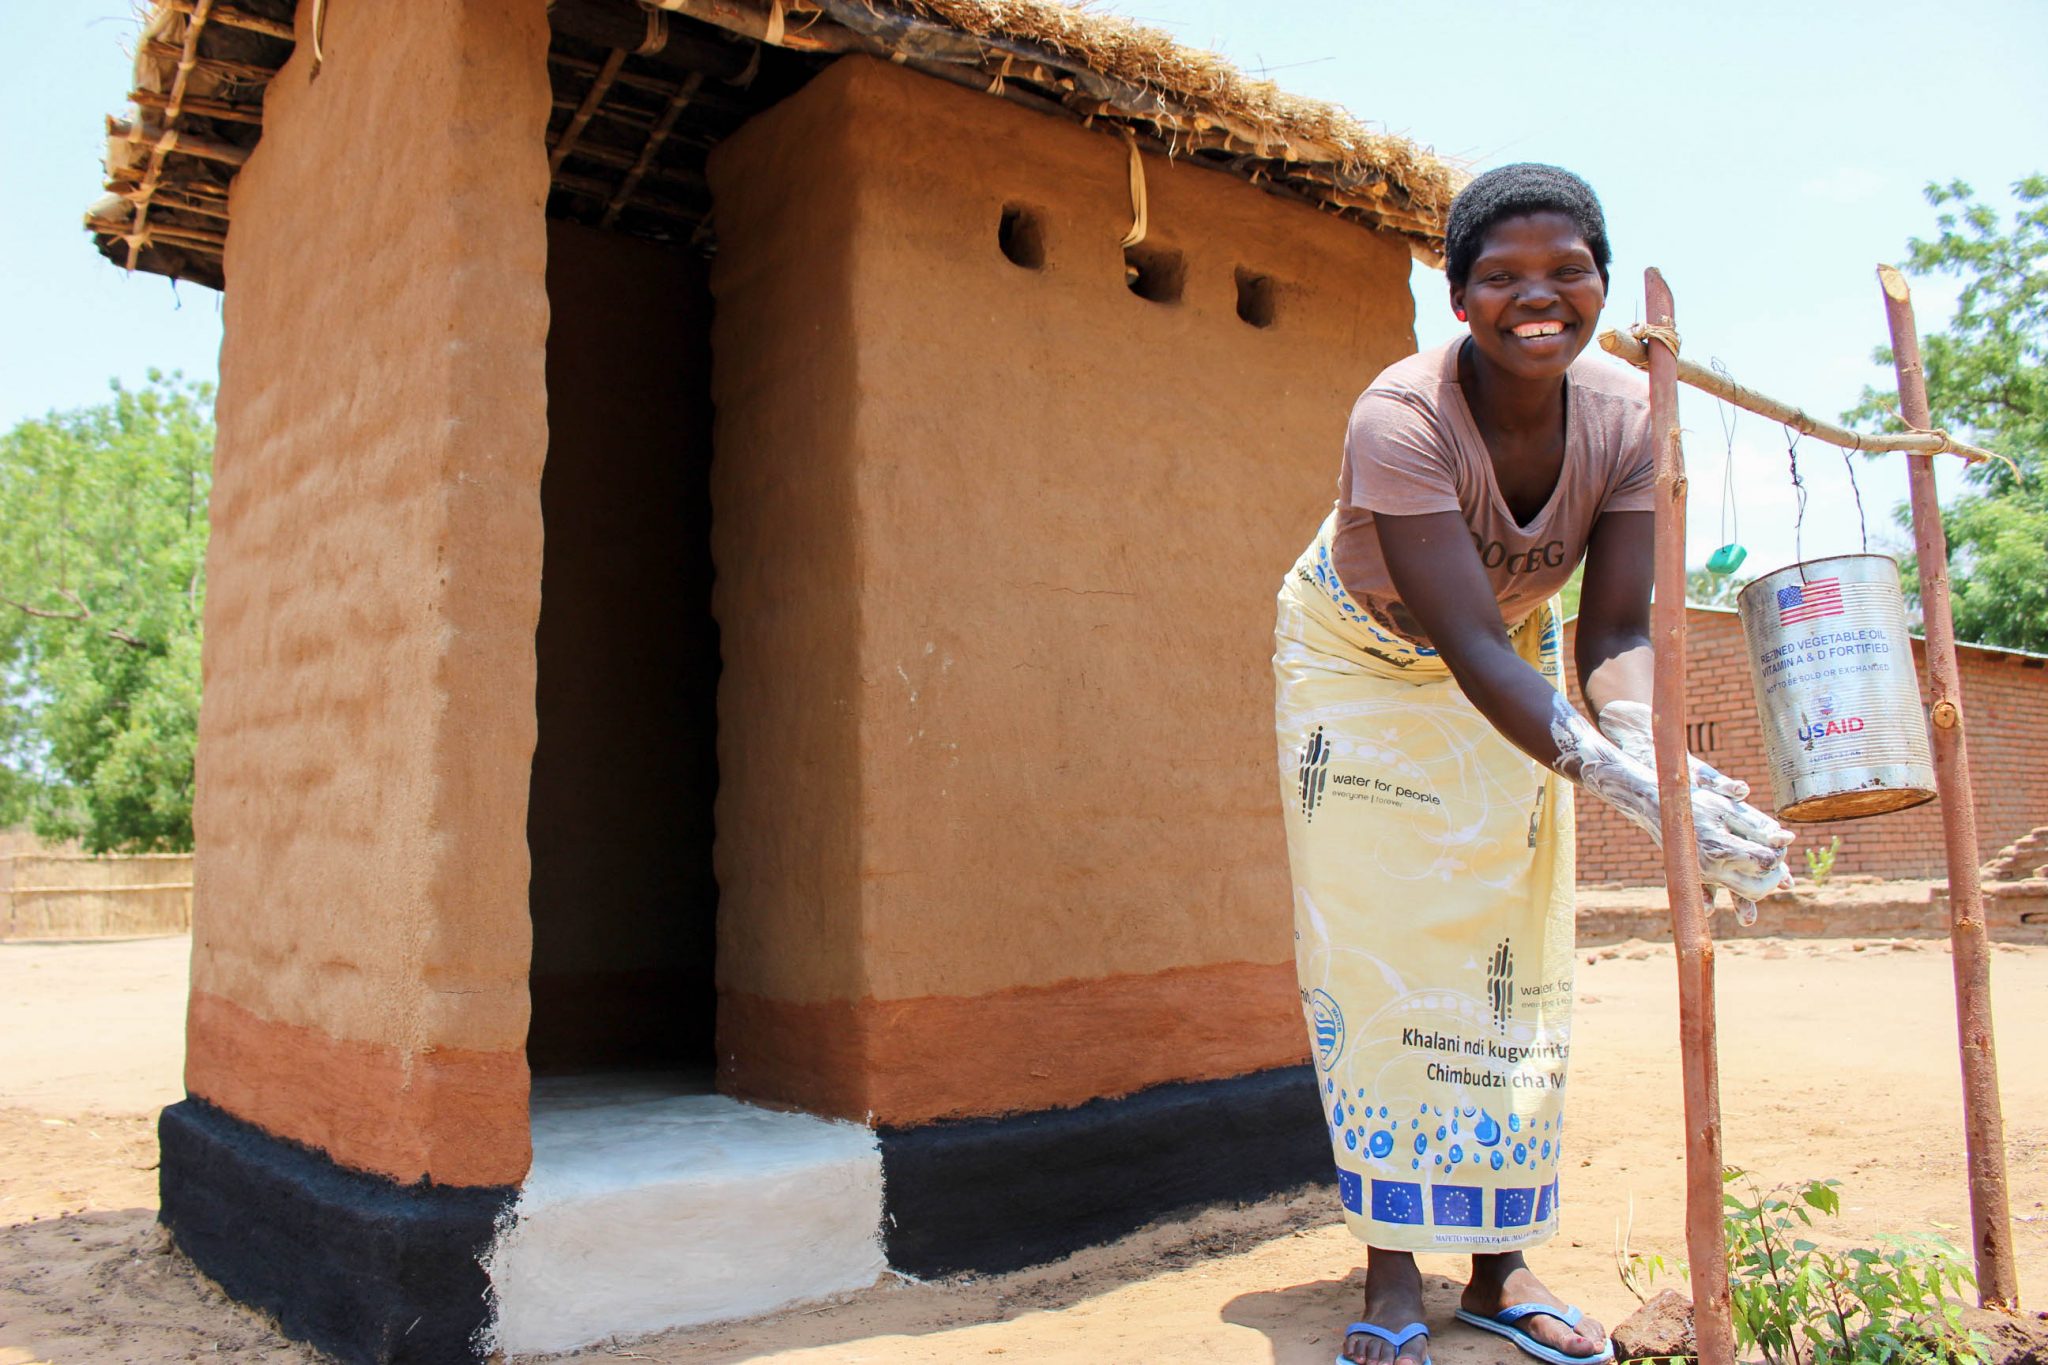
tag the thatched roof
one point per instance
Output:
(642, 90)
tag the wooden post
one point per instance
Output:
(1705, 1239)
(1983, 1123)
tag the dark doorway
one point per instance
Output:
(625, 769)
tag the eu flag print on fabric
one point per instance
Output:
(1513, 1208)
(1351, 1190)
(1397, 1201)
(1809, 601)
(1457, 1206)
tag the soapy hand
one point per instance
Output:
(1627, 723)
(1740, 847)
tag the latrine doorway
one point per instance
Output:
(625, 768)
(620, 824)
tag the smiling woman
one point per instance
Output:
(1427, 760)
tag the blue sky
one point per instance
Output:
(1750, 150)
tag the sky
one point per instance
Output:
(1765, 156)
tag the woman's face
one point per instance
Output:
(1534, 295)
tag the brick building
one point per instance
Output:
(2005, 693)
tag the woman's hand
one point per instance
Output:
(1627, 723)
(1740, 847)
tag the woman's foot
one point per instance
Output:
(1393, 1300)
(1500, 1281)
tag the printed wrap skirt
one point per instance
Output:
(1433, 870)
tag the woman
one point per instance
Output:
(1427, 755)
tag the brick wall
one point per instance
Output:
(2005, 696)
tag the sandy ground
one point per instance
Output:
(1838, 1059)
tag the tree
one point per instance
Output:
(102, 584)
(1987, 381)
(1704, 588)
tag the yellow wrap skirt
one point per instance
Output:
(1433, 870)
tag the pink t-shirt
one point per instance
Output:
(1414, 448)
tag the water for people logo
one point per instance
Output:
(1315, 772)
(1328, 1023)
(1500, 983)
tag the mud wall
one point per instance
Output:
(2005, 696)
(997, 548)
(360, 928)
(619, 824)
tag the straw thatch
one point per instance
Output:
(1200, 96)
(200, 71)
(644, 87)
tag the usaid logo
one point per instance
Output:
(1812, 731)
(1327, 1021)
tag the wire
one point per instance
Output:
(1730, 511)
(1799, 490)
(1862, 526)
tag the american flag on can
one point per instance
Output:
(1809, 601)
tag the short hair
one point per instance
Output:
(1512, 192)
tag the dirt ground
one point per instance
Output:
(1838, 1059)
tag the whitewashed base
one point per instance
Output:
(647, 1210)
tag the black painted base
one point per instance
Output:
(372, 1272)
(996, 1194)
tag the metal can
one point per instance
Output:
(1844, 733)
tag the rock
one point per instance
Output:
(1660, 1330)
(2016, 1338)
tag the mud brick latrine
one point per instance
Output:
(2005, 696)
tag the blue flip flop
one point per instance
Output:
(1394, 1339)
(1504, 1323)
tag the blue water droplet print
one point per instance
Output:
(1454, 1125)
(1415, 1123)
(1421, 1144)
(1468, 1111)
(1521, 1154)
(1438, 1112)
(1383, 1111)
(1337, 1114)
(1546, 1149)
(1351, 1138)
(1329, 1087)
(1440, 1135)
(1382, 1145)
(1352, 1110)
(1457, 1153)
(1514, 1123)
(1488, 1131)
(1437, 1159)
(1499, 1161)
(1415, 1164)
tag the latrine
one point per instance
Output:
(737, 639)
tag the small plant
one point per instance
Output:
(1820, 862)
(1802, 1305)
(1638, 1269)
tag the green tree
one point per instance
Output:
(102, 584)
(1987, 381)
(1707, 589)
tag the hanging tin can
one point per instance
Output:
(1844, 734)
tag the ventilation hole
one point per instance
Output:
(1022, 237)
(1155, 273)
(1256, 298)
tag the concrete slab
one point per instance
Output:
(647, 1209)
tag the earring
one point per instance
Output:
(1460, 312)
